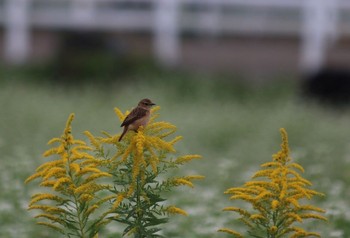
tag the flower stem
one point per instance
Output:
(138, 209)
(76, 200)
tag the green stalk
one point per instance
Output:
(138, 209)
(76, 202)
(81, 225)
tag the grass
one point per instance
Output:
(233, 125)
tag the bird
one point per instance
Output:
(139, 116)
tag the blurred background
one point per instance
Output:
(227, 73)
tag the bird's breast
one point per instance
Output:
(140, 122)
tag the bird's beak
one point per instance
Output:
(152, 104)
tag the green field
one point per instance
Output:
(234, 126)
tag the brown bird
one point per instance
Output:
(139, 116)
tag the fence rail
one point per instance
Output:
(317, 22)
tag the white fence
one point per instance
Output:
(318, 23)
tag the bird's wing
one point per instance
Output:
(135, 114)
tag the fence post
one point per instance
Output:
(17, 35)
(166, 36)
(319, 30)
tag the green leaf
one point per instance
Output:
(156, 221)
(127, 229)
(150, 233)
(121, 220)
(155, 198)
(81, 207)
(70, 225)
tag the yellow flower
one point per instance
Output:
(96, 143)
(176, 210)
(131, 190)
(238, 210)
(61, 181)
(154, 161)
(118, 200)
(140, 141)
(136, 163)
(274, 204)
(44, 196)
(86, 197)
(146, 146)
(186, 158)
(47, 183)
(56, 172)
(120, 115)
(88, 188)
(311, 208)
(257, 216)
(182, 181)
(194, 177)
(48, 208)
(71, 181)
(231, 232)
(314, 216)
(75, 167)
(50, 217)
(275, 196)
(273, 229)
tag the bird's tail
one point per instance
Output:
(122, 135)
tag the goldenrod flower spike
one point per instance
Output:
(120, 115)
(176, 210)
(72, 187)
(141, 160)
(276, 193)
(231, 232)
(77, 204)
